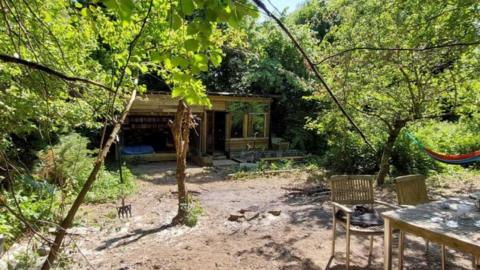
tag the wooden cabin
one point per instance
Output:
(233, 123)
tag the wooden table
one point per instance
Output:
(433, 221)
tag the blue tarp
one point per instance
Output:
(137, 150)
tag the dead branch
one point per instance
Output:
(308, 191)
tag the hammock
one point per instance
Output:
(446, 158)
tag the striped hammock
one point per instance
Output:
(446, 158)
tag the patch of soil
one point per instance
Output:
(297, 236)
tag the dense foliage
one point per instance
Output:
(394, 66)
(70, 65)
(56, 178)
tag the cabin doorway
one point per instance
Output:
(216, 131)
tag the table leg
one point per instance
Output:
(387, 253)
(401, 247)
(444, 254)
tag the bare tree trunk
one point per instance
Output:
(387, 152)
(180, 127)
(68, 220)
(182, 191)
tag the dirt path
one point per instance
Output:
(299, 238)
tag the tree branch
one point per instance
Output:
(68, 220)
(33, 65)
(124, 69)
(428, 48)
(260, 4)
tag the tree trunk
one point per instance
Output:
(387, 152)
(182, 191)
(180, 127)
(68, 220)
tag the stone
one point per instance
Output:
(43, 251)
(275, 212)
(235, 217)
(251, 215)
(253, 208)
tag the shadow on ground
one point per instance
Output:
(132, 237)
(163, 173)
(284, 252)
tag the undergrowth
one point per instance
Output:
(193, 212)
(309, 164)
(44, 195)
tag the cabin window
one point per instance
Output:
(256, 125)
(237, 125)
(252, 112)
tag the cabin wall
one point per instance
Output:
(241, 144)
(163, 105)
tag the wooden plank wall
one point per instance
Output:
(163, 104)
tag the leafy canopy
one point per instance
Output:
(104, 41)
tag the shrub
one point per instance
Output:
(34, 200)
(275, 165)
(108, 186)
(348, 154)
(407, 158)
(63, 167)
(68, 165)
(443, 137)
(193, 212)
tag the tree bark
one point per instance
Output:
(68, 220)
(9, 59)
(387, 152)
(180, 127)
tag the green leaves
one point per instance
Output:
(187, 6)
(174, 21)
(124, 8)
(180, 41)
(178, 61)
(216, 58)
(200, 63)
(191, 44)
(190, 89)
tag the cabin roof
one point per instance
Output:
(219, 94)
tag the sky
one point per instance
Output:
(282, 4)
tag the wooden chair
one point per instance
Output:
(353, 190)
(411, 191)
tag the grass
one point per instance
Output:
(310, 165)
(193, 212)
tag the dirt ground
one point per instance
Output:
(299, 238)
